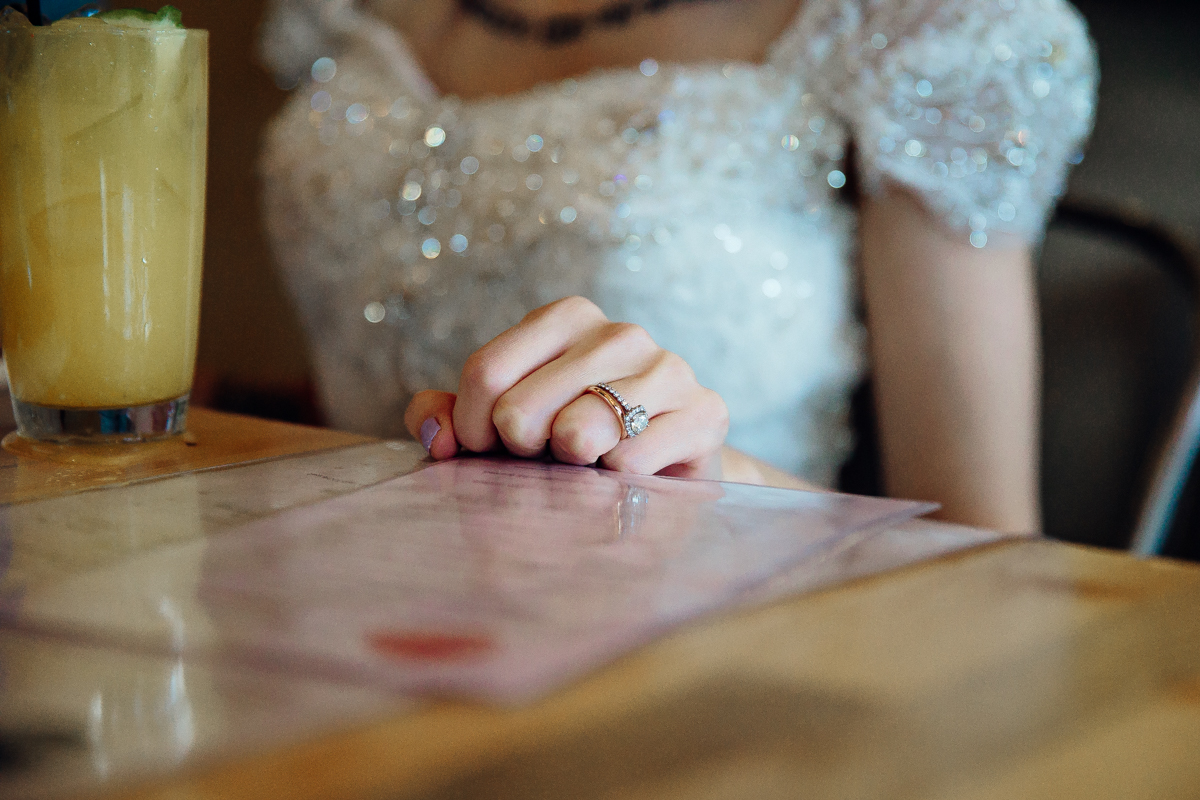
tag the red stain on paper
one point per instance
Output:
(427, 646)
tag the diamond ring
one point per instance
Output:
(634, 419)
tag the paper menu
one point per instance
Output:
(477, 577)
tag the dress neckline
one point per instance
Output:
(391, 43)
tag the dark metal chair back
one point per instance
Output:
(1175, 454)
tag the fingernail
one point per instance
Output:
(429, 429)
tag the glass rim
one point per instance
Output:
(107, 30)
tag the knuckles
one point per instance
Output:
(483, 377)
(573, 310)
(517, 425)
(674, 369)
(577, 443)
(632, 340)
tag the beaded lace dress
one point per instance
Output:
(699, 201)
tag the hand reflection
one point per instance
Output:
(631, 509)
(577, 545)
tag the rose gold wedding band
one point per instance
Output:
(633, 419)
(606, 395)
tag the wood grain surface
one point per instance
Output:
(40, 470)
(1025, 669)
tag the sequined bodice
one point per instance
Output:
(698, 201)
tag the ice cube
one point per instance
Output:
(78, 24)
(11, 19)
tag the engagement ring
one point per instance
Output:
(634, 419)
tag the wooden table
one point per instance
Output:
(1018, 669)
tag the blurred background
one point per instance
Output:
(1119, 335)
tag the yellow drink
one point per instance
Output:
(102, 176)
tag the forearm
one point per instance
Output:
(954, 352)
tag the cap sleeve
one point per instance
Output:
(978, 107)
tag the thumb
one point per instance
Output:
(429, 418)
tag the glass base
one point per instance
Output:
(101, 425)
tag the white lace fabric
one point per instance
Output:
(700, 201)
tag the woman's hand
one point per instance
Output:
(525, 392)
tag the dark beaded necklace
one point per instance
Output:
(562, 28)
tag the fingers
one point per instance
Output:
(588, 427)
(542, 336)
(525, 391)
(684, 443)
(429, 418)
(688, 425)
(583, 431)
(524, 415)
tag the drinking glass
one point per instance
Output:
(102, 175)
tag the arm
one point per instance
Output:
(954, 351)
